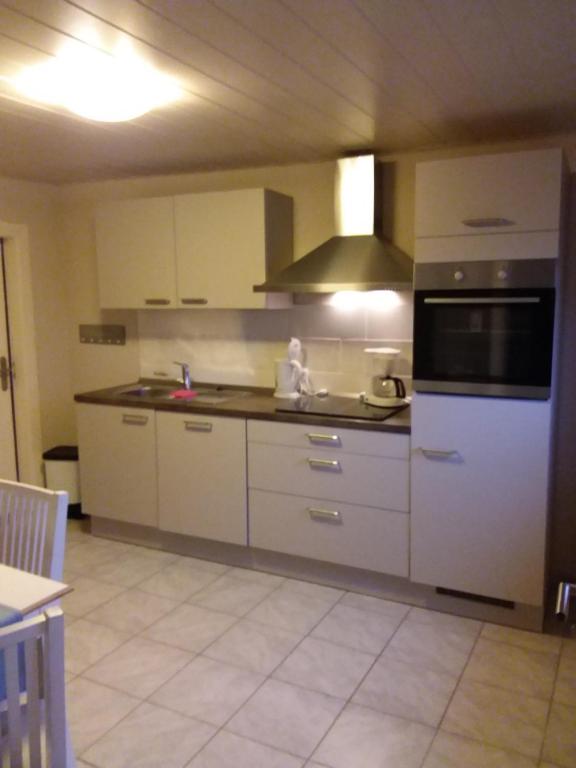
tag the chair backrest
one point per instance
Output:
(33, 528)
(33, 724)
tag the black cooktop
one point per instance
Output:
(345, 407)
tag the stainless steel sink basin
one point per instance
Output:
(208, 395)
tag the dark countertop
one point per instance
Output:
(260, 404)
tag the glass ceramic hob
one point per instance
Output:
(343, 407)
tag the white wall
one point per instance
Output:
(40, 318)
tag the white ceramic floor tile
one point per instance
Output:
(569, 648)
(511, 667)
(456, 624)
(85, 556)
(87, 643)
(128, 571)
(227, 750)
(312, 590)
(286, 717)
(92, 710)
(150, 737)
(139, 666)
(231, 595)
(254, 646)
(376, 605)
(560, 742)
(88, 594)
(356, 628)
(363, 738)
(451, 751)
(325, 667)
(532, 641)
(178, 581)
(565, 688)
(259, 577)
(512, 721)
(430, 647)
(132, 611)
(290, 610)
(208, 690)
(190, 627)
(400, 689)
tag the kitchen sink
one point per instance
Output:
(208, 395)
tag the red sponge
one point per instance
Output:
(183, 394)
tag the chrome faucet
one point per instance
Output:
(185, 374)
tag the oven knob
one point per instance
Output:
(502, 274)
(458, 275)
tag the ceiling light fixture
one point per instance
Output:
(96, 85)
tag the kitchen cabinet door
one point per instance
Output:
(117, 448)
(226, 242)
(202, 476)
(479, 495)
(505, 206)
(136, 253)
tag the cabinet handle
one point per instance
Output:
(136, 421)
(431, 453)
(325, 515)
(495, 221)
(332, 465)
(157, 302)
(316, 437)
(194, 301)
(198, 426)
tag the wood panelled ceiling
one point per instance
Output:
(284, 81)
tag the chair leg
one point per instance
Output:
(70, 759)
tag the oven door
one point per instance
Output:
(496, 343)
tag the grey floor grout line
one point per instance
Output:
(550, 706)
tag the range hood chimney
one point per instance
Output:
(358, 258)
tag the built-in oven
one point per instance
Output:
(484, 328)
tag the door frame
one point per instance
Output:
(23, 343)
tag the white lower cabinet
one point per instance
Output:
(361, 537)
(479, 495)
(118, 463)
(202, 476)
(324, 502)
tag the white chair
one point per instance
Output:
(33, 732)
(33, 528)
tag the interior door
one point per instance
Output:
(8, 461)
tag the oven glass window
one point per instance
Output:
(495, 337)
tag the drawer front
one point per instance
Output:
(367, 480)
(330, 438)
(361, 537)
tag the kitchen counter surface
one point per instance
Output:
(259, 404)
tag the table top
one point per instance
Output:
(25, 592)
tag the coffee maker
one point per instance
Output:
(386, 390)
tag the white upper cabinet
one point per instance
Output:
(505, 206)
(135, 247)
(226, 241)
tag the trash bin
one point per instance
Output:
(61, 469)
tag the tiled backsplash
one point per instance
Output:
(240, 346)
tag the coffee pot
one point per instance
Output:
(386, 390)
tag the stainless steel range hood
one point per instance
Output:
(358, 258)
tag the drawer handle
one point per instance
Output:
(332, 465)
(137, 421)
(194, 301)
(325, 515)
(198, 426)
(157, 302)
(431, 453)
(317, 437)
(495, 221)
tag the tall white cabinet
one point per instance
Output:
(479, 495)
